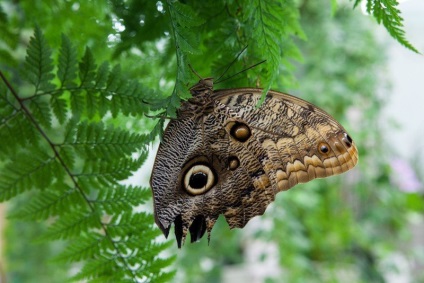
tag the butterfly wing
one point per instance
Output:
(291, 142)
(235, 159)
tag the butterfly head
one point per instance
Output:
(204, 86)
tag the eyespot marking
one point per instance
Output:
(347, 140)
(199, 179)
(240, 132)
(233, 163)
(323, 148)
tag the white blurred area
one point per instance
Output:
(406, 73)
(405, 106)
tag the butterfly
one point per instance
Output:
(224, 155)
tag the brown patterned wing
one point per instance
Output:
(291, 141)
(234, 159)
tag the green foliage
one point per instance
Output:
(271, 24)
(36, 254)
(72, 129)
(183, 22)
(386, 12)
(71, 158)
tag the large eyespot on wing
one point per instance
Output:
(187, 198)
(180, 142)
(198, 178)
(188, 177)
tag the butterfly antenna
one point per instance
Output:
(232, 63)
(191, 68)
(245, 69)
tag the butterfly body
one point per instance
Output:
(224, 155)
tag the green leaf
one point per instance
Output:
(184, 19)
(16, 130)
(386, 12)
(87, 69)
(71, 225)
(184, 22)
(87, 246)
(157, 130)
(121, 198)
(102, 75)
(95, 139)
(17, 175)
(38, 63)
(41, 111)
(64, 152)
(272, 24)
(59, 107)
(50, 203)
(129, 224)
(184, 15)
(77, 102)
(100, 268)
(68, 63)
(95, 173)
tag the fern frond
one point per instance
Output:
(100, 103)
(101, 268)
(95, 173)
(41, 110)
(50, 203)
(95, 139)
(183, 21)
(272, 24)
(15, 129)
(87, 246)
(157, 130)
(18, 175)
(38, 63)
(68, 63)
(120, 198)
(127, 96)
(386, 12)
(59, 107)
(126, 263)
(103, 90)
(73, 167)
(72, 224)
(185, 18)
(102, 75)
(87, 69)
(130, 224)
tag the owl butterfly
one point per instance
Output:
(224, 155)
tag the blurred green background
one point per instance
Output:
(362, 226)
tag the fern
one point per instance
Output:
(120, 198)
(272, 24)
(387, 13)
(267, 27)
(183, 22)
(62, 150)
(62, 144)
(38, 63)
(49, 203)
